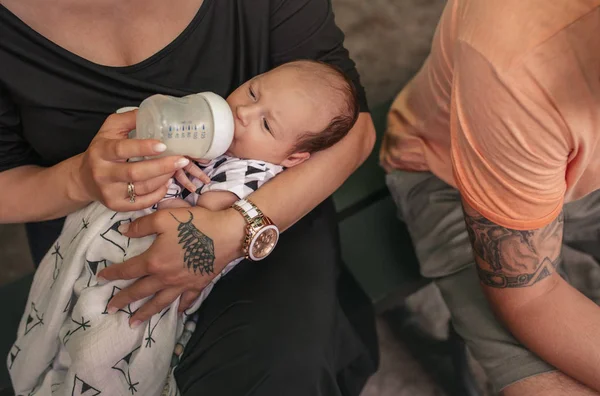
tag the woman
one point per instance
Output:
(268, 328)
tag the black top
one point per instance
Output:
(52, 102)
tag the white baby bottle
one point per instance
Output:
(199, 125)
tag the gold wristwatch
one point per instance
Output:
(261, 233)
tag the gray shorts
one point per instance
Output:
(433, 214)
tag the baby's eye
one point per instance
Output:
(252, 93)
(266, 124)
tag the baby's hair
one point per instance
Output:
(344, 91)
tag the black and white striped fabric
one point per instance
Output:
(239, 176)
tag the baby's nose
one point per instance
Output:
(246, 113)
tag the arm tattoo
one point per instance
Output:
(199, 249)
(508, 258)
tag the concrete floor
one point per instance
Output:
(389, 40)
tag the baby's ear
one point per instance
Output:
(295, 159)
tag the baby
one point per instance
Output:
(68, 343)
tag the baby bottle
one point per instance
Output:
(199, 125)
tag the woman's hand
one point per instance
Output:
(192, 246)
(104, 174)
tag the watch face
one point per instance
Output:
(264, 242)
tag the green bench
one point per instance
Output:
(377, 250)
(376, 246)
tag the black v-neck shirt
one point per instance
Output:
(52, 102)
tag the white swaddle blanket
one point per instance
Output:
(67, 343)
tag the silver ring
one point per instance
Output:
(131, 192)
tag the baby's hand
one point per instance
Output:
(194, 170)
(200, 160)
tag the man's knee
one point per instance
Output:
(504, 360)
(548, 384)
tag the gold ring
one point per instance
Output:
(131, 192)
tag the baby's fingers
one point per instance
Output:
(182, 178)
(195, 171)
(200, 160)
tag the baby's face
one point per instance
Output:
(272, 111)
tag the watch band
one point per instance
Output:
(261, 233)
(247, 209)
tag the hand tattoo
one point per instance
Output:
(199, 248)
(508, 258)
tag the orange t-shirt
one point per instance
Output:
(507, 107)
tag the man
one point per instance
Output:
(500, 130)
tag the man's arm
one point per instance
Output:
(518, 272)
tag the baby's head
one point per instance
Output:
(288, 113)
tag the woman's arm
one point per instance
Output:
(211, 200)
(544, 312)
(32, 193)
(29, 192)
(49, 193)
(216, 200)
(306, 29)
(298, 190)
